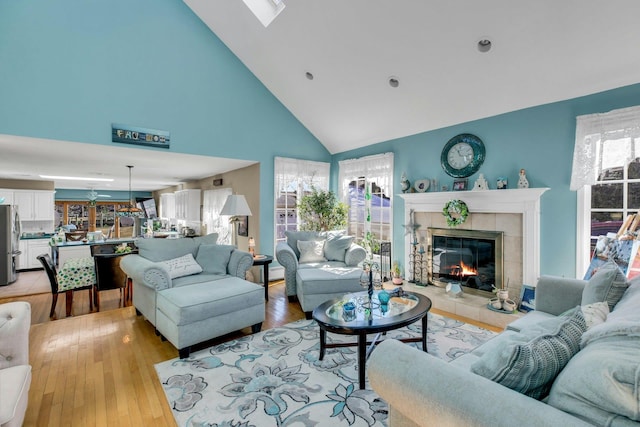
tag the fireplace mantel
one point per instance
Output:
(522, 201)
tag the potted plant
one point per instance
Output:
(322, 211)
(396, 274)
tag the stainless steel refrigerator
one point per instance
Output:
(9, 241)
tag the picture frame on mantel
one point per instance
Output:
(460, 184)
(243, 226)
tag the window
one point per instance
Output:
(366, 186)
(293, 179)
(77, 213)
(606, 174)
(213, 201)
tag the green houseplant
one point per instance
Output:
(322, 211)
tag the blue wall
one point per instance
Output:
(539, 139)
(71, 68)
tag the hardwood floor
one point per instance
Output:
(97, 369)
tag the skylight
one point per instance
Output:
(265, 10)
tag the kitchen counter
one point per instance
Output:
(34, 236)
(95, 242)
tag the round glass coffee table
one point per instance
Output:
(370, 318)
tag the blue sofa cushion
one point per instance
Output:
(336, 247)
(164, 249)
(214, 258)
(530, 360)
(607, 284)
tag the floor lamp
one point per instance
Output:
(235, 206)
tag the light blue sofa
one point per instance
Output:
(599, 385)
(333, 274)
(197, 306)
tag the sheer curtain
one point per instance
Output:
(619, 130)
(213, 201)
(294, 178)
(366, 185)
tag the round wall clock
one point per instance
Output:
(463, 155)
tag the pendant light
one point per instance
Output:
(131, 210)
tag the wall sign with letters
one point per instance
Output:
(139, 136)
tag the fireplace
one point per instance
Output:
(474, 258)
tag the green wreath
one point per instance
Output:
(455, 206)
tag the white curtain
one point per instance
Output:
(293, 178)
(213, 201)
(377, 168)
(618, 130)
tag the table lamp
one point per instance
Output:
(252, 246)
(235, 206)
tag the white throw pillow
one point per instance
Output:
(182, 266)
(311, 251)
(595, 314)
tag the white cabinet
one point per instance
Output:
(188, 205)
(30, 249)
(7, 195)
(34, 205)
(168, 206)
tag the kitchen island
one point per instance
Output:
(62, 251)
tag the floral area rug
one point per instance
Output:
(274, 378)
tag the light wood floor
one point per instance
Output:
(97, 369)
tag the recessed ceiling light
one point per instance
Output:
(484, 45)
(309, 75)
(394, 82)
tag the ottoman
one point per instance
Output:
(317, 285)
(189, 315)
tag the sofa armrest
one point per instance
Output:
(15, 321)
(354, 255)
(555, 295)
(152, 274)
(424, 388)
(289, 260)
(239, 263)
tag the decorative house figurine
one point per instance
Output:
(481, 183)
(522, 180)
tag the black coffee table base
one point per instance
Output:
(363, 352)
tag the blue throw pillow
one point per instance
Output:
(336, 247)
(528, 364)
(214, 258)
(607, 284)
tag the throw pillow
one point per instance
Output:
(595, 314)
(214, 259)
(607, 284)
(529, 365)
(294, 236)
(600, 385)
(311, 251)
(336, 247)
(182, 266)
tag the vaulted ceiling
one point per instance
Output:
(541, 52)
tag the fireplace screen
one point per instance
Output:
(471, 257)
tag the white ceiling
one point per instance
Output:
(543, 51)
(28, 158)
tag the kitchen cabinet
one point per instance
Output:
(168, 206)
(30, 249)
(34, 205)
(187, 203)
(7, 195)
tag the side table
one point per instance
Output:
(264, 261)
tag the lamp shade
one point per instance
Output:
(236, 205)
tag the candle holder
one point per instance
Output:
(370, 278)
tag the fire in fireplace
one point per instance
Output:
(471, 257)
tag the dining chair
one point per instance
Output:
(109, 275)
(50, 269)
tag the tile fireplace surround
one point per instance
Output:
(514, 212)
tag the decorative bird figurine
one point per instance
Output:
(404, 183)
